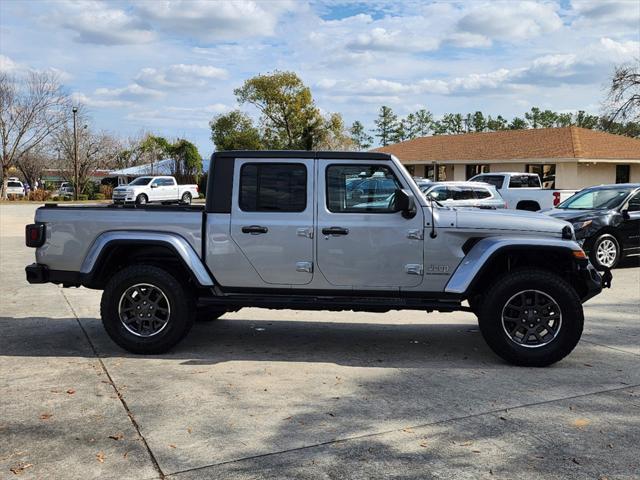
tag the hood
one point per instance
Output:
(573, 215)
(510, 220)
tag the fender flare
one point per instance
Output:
(484, 250)
(178, 244)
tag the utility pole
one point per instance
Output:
(75, 155)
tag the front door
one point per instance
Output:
(272, 218)
(155, 192)
(630, 227)
(362, 241)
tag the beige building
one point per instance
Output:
(565, 158)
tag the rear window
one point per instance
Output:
(273, 187)
(14, 184)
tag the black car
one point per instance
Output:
(606, 220)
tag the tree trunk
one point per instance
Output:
(5, 181)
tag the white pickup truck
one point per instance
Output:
(523, 191)
(163, 189)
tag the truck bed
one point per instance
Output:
(72, 229)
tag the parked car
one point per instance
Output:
(523, 191)
(15, 187)
(162, 189)
(465, 194)
(606, 220)
(370, 189)
(278, 232)
(65, 190)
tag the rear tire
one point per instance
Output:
(130, 298)
(535, 298)
(186, 198)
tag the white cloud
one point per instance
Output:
(179, 76)
(7, 65)
(510, 21)
(98, 23)
(130, 93)
(209, 21)
(602, 15)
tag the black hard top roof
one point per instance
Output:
(301, 154)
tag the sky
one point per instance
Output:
(170, 66)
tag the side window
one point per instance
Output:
(634, 203)
(273, 187)
(373, 194)
(517, 181)
(462, 193)
(482, 193)
(168, 182)
(440, 193)
(156, 182)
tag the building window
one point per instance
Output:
(411, 169)
(622, 173)
(473, 170)
(546, 172)
(273, 187)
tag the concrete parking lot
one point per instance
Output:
(288, 394)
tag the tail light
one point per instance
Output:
(556, 198)
(34, 235)
(197, 189)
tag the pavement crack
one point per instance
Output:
(132, 419)
(397, 430)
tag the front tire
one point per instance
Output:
(531, 318)
(146, 310)
(142, 199)
(605, 252)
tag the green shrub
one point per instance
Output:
(83, 196)
(99, 196)
(55, 198)
(66, 199)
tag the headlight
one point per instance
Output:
(581, 225)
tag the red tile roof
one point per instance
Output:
(566, 142)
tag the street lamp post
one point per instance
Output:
(75, 155)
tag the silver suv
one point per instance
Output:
(284, 230)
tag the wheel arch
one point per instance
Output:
(112, 250)
(528, 205)
(491, 257)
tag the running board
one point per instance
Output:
(334, 303)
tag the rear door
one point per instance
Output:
(630, 227)
(364, 242)
(272, 218)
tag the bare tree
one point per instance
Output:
(96, 150)
(30, 111)
(33, 162)
(623, 100)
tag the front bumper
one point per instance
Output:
(593, 281)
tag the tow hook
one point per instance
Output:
(606, 277)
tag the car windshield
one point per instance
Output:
(597, 199)
(141, 181)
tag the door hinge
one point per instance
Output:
(305, 267)
(417, 234)
(305, 232)
(414, 269)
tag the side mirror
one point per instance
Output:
(405, 203)
(153, 185)
(625, 214)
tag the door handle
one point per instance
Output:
(335, 231)
(255, 229)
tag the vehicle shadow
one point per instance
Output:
(225, 340)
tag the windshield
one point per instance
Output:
(599, 199)
(141, 181)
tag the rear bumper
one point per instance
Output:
(39, 273)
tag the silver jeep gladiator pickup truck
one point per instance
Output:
(292, 230)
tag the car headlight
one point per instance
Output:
(581, 225)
